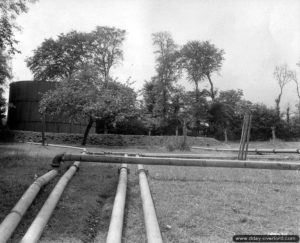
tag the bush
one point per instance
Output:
(177, 144)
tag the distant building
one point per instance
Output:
(23, 111)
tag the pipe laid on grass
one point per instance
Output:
(35, 230)
(185, 156)
(253, 164)
(151, 223)
(116, 223)
(11, 221)
(283, 151)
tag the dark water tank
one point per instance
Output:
(23, 111)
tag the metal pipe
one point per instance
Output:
(35, 230)
(248, 137)
(11, 221)
(151, 223)
(297, 151)
(254, 164)
(114, 234)
(184, 156)
(242, 137)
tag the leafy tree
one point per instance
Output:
(59, 59)
(191, 62)
(9, 10)
(167, 71)
(227, 114)
(221, 115)
(263, 119)
(150, 119)
(106, 49)
(78, 99)
(201, 59)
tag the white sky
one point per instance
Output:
(256, 35)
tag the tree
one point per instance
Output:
(9, 10)
(5, 74)
(59, 59)
(78, 99)
(149, 117)
(106, 49)
(283, 76)
(221, 115)
(263, 119)
(167, 71)
(201, 59)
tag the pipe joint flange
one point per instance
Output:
(142, 170)
(298, 151)
(76, 166)
(57, 160)
(123, 167)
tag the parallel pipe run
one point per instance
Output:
(35, 230)
(278, 165)
(116, 223)
(296, 151)
(151, 223)
(10, 223)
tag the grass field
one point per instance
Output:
(192, 204)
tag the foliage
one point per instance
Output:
(69, 53)
(167, 72)
(201, 59)
(9, 10)
(263, 118)
(59, 59)
(78, 98)
(5, 73)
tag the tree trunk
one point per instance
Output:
(197, 91)
(184, 134)
(212, 93)
(43, 128)
(105, 127)
(87, 130)
(273, 135)
(288, 117)
(225, 135)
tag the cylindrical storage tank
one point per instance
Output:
(23, 111)
(24, 98)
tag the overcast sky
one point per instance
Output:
(256, 35)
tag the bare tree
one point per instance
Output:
(294, 78)
(283, 76)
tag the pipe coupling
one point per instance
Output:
(57, 160)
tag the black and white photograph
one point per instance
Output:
(158, 121)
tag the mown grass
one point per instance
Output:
(213, 204)
(77, 217)
(192, 204)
